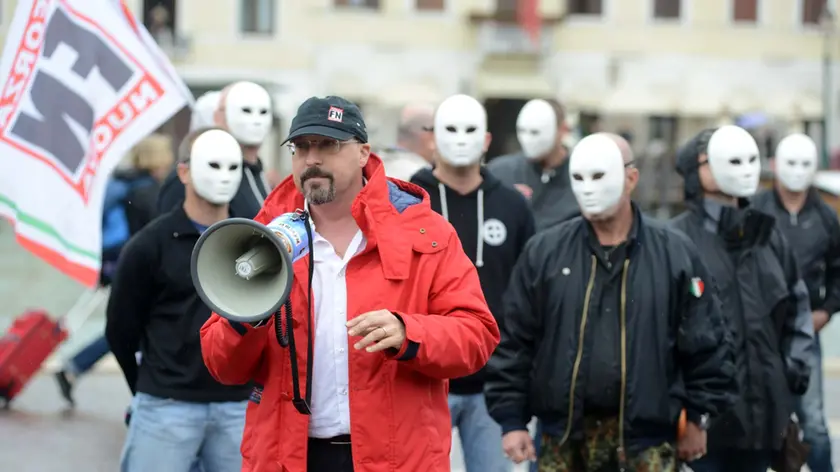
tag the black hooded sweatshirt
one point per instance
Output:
(765, 304)
(493, 223)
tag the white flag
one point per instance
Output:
(80, 89)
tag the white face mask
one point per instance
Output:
(248, 113)
(216, 166)
(460, 130)
(734, 161)
(205, 106)
(536, 128)
(796, 162)
(596, 169)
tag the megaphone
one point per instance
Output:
(242, 269)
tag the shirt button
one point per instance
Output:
(340, 350)
(343, 391)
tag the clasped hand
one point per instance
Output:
(381, 330)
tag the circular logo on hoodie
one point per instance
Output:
(495, 232)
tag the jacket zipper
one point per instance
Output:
(579, 355)
(622, 456)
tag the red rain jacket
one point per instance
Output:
(412, 265)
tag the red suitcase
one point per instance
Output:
(31, 338)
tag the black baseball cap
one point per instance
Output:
(332, 117)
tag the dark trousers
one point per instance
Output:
(733, 460)
(85, 359)
(329, 455)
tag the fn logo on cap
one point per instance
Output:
(335, 114)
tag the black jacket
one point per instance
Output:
(246, 203)
(765, 304)
(154, 309)
(817, 233)
(677, 350)
(506, 225)
(553, 201)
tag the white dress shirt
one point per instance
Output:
(330, 378)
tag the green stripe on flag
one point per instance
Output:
(45, 228)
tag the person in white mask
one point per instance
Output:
(803, 217)
(540, 171)
(763, 298)
(154, 309)
(795, 163)
(493, 222)
(243, 109)
(204, 110)
(584, 318)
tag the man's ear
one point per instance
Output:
(183, 173)
(632, 179)
(488, 138)
(219, 117)
(563, 129)
(364, 155)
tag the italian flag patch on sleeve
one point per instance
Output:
(697, 287)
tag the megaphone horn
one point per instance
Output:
(242, 269)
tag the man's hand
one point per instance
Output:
(381, 327)
(524, 190)
(820, 318)
(692, 444)
(519, 446)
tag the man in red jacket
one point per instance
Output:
(388, 301)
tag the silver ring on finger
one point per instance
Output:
(384, 331)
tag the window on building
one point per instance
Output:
(159, 19)
(429, 5)
(812, 11)
(506, 6)
(667, 9)
(663, 128)
(257, 16)
(589, 123)
(745, 11)
(586, 7)
(814, 129)
(358, 3)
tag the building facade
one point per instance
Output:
(658, 70)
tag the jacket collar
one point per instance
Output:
(181, 224)
(634, 237)
(812, 198)
(380, 209)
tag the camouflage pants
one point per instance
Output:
(597, 452)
